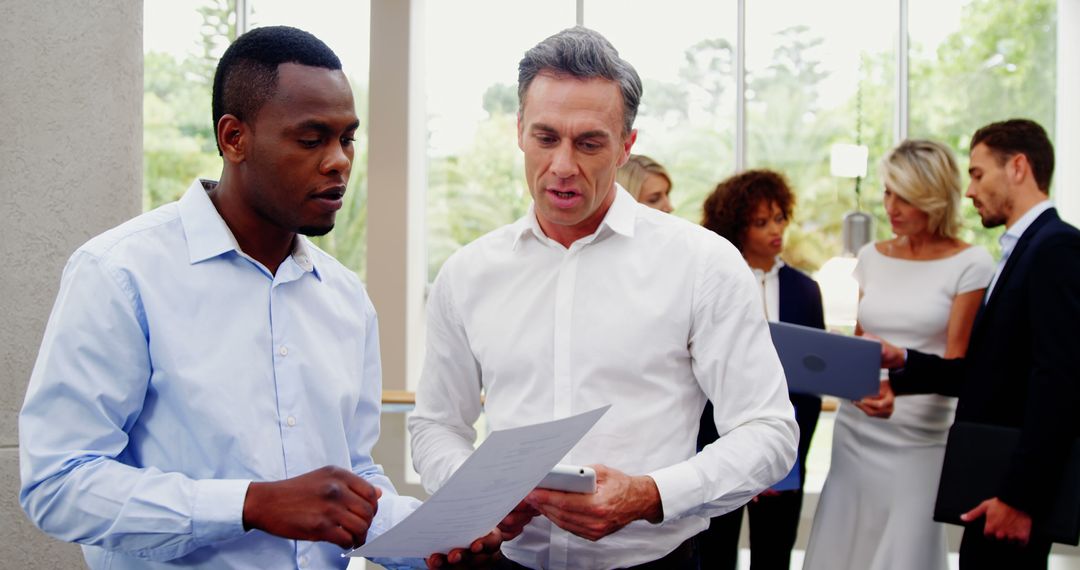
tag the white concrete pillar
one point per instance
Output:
(1066, 186)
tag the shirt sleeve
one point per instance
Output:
(977, 273)
(86, 392)
(364, 432)
(448, 398)
(737, 367)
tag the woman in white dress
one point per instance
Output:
(921, 289)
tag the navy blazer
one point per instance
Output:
(1021, 368)
(800, 299)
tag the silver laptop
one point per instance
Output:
(819, 362)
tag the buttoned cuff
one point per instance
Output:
(219, 510)
(680, 489)
(392, 509)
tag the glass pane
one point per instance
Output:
(344, 26)
(685, 54)
(182, 42)
(476, 177)
(814, 80)
(974, 62)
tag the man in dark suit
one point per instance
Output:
(1020, 370)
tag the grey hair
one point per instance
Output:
(582, 53)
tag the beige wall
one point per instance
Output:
(71, 150)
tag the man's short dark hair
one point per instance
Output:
(582, 53)
(247, 73)
(1006, 139)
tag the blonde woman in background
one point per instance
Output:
(647, 181)
(920, 289)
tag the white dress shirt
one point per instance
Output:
(769, 286)
(175, 370)
(651, 314)
(1011, 236)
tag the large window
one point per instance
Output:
(811, 79)
(814, 80)
(183, 41)
(476, 177)
(687, 65)
(974, 62)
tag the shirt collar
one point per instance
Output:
(301, 254)
(623, 213)
(777, 264)
(209, 236)
(620, 218)
(1012, 235)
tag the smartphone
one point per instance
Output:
(570, 478)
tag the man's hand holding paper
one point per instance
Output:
(484, 552)
(478, 496)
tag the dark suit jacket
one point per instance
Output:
(1022, 367)
(800, 304)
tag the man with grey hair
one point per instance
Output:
(593, 299)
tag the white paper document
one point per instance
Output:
(487, 486)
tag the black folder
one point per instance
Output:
(977, 458)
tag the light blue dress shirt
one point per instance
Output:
(174, 371)
(1011, 236)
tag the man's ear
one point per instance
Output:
(1018, 168)
(627, 144)
(232, 137)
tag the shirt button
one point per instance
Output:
(291, 421)
(283, 351)
(303, 561)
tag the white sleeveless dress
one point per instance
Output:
(875, 511)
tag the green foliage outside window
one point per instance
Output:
(999, 63)
(179, 138)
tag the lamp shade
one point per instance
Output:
(848, 160)
(857, 231)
